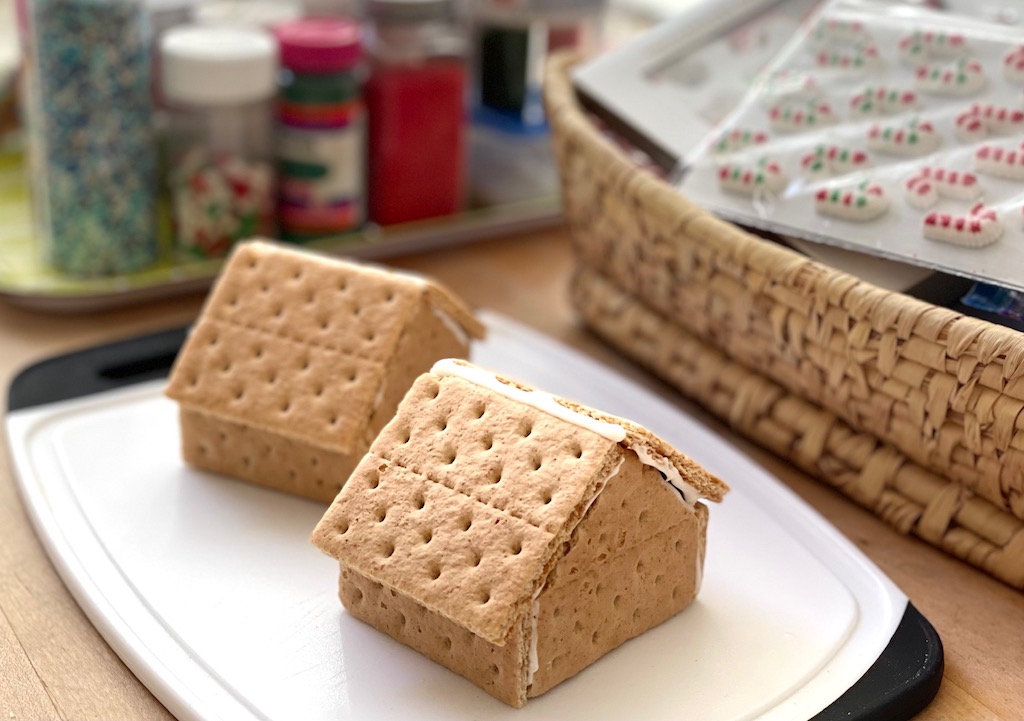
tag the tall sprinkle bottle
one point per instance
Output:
(94, 168)
(322, 133)
(416, 97)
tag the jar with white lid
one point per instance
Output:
(220, 84)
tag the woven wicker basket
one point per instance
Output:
(912, 410)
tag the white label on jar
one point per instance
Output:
(327, 166)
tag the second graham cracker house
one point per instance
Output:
(514, 537)
(298, 360)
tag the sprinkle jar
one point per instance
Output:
(94, 164)
(220, 84)
(322, 129)
(415, 97)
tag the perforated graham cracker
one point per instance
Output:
(315, 350)
(634, 561)
(469, 506)
(267, 459)
(499, 670)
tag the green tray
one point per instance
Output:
(25, 279)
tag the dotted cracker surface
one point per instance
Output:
(709, 485)
(634, 561)
(464, 500)
(299, 344)
(268, 459)
(498, 670)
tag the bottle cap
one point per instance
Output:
(246, 13)
(319, 45)
(409, 11)
(527, 10)
(217, 66)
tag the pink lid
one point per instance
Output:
(319, 45)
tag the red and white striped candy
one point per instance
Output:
(982, 120)
(765, 175)
(911, 138)
(831, 32)
(1013, 65)
(965, 76)
(738, 139)
(924, 187)
(795, 117)
(978, 228)
(924, 45)
(882, 100)
(860, 201)
(1000, 162)
(859, 59)
(830, 160)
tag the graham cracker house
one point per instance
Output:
(513, 536)
(298, 360)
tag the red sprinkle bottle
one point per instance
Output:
(322, 134)
(416, 98)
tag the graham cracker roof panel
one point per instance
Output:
(260, 379)
(456, 556)
(345, 307)
(675, 465)
(506, 455)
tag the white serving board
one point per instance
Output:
(212, 594)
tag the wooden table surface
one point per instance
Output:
(54, 665)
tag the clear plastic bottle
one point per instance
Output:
(219, 83)
(416, 103)
(511, 42)
(510, 151)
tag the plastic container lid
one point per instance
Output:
(247, 13)
(319, 45)
(409, 11)
(525, 10)
(217, 66)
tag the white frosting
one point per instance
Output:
(535, 609)
(450, 323)
(689, 494)
(534, 660)
(546, 402)
(535, 399)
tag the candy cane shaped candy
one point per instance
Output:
(738, 139)
(965, 76)
(797, 117)
(831, 32)
(924, 187)
(1013, 65)
(924, 45)
(830, 160)
(789, 85)
(980, 121)
(861, 59)
(858, 202)
(1000, 162)
(910, 139)
(873, 101)
(978, 228)
(751, 178)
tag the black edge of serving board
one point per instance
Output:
(900, 683)
(95, 370)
